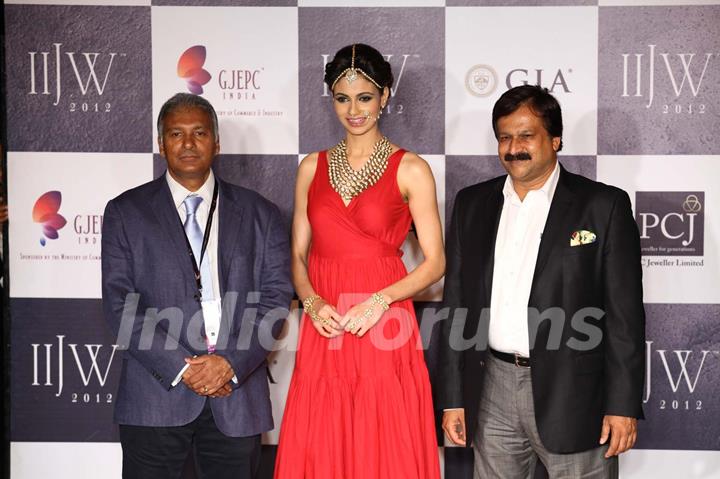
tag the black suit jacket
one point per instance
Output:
(596, 365)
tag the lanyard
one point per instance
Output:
(206, 239)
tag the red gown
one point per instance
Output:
(359, 408)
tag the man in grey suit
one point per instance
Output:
(196, 284)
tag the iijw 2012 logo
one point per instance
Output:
(85, 367)
(83, 77)
(646, 72)
(671, 223)
(684, 370)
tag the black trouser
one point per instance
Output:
(160, 452)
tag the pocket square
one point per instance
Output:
(581, 237)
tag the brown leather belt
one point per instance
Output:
(516, 359)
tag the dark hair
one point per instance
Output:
(367, 59)
(540, 101)
(182, 101)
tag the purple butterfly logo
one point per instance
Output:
(46, 213)
(190, 68)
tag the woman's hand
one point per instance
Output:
(363, 316)
(327, 319)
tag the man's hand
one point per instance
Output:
(454, 425)
(207, 374)
(622, 432)
(224, 391)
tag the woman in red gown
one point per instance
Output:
(359, 404)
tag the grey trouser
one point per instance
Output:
(507, 444)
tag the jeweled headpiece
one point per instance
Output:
(351, 74)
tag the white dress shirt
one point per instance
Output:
(179, 193)
(516, 248)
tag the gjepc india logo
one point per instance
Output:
(45, 212)
(190, 68)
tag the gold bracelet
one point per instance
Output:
(377, 298)
(308, 304)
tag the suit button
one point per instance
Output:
(196, 298)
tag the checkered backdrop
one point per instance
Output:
(639, 83)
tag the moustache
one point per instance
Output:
(522, 156)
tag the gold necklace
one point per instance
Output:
(350, 183)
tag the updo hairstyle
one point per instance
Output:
(367, 59)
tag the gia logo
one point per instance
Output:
(481, 80)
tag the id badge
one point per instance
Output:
(212, 312)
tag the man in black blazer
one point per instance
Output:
(546, 264)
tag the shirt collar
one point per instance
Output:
(179, 192)
(547, 189)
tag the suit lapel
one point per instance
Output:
(167, 216)
(230, 214)
(555, 232)
(493, 210)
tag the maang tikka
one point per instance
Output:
(351, 74)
